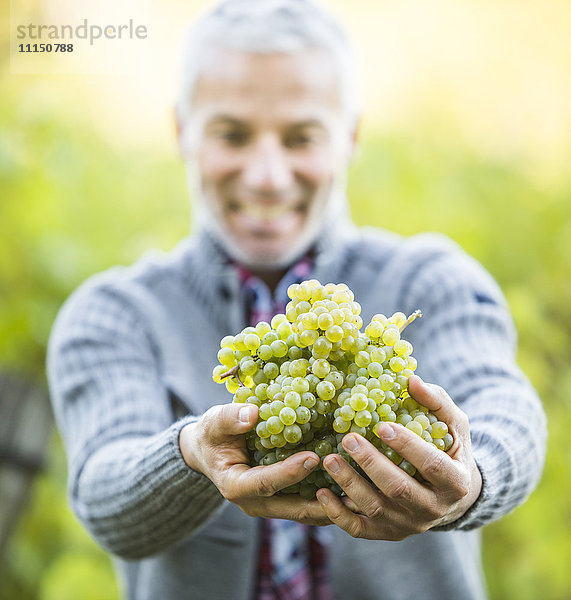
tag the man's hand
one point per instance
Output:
(397, 505)
(215, 446)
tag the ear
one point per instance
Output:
(179, 127)
(354, 143)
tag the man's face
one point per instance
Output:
(267, 144)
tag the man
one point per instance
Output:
(267, 123)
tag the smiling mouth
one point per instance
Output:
(266, 212)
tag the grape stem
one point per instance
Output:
(232, 371)
(415, 315)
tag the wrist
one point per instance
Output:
(187, 444)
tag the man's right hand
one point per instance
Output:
(215, 445)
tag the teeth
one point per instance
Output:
(265, 212)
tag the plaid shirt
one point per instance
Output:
(292, 563)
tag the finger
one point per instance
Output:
(439, 402)
(242, 481)
(293, 508)
(365, 497)
(393, 482)
(226, 420)
(356, 525)
(433, 464)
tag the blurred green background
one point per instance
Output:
(467, 131)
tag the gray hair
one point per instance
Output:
(267, 26)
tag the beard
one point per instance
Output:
(323, 213)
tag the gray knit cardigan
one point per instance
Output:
(129, 364)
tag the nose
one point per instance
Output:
(267, 169)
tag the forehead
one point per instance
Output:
(277, 85)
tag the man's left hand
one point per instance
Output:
(396, 505)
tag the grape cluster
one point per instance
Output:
(315, 376)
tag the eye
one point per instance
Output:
(234, 137)
(299, 140)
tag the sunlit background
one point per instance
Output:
(466, 130)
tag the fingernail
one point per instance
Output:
(386, 431)
(350, 443)
(332, 465)
(245, 414)
(310, 463)
(323, 498)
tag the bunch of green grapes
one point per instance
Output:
(315, 376)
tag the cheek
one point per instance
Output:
(214, 164)
(317, 170)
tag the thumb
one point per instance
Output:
(226, 420)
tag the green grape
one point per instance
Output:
(390, 336)
(318, 293)
(362, 359)
(276, 406)
(217, 372)
(302, 415)
(377, 395)
(397, 364)
(292, 399)
(398, 318)
(226, 357)
(403, 348)
(292, 434)
(265, 411)
(239, 342)
(448, 441)
(439, 443)
(439, 429)
(392, 455)
(340, 425)
(278, 440)
(271, 370)
(404, 418)
(309, 320)
(386, 382)
(322, 347)
(231, 384)
(378, 355)
(308, 337)
(363, 418)
(248, 366)
(336, 378)
(287, 416)
(275, 424)
(359, 389)
(375, 369)
(414, 426)
(374, 330)
(334, 334)
(407, 467)
(359, 402)
(321, 368)
(325, 390)
(308, 399)
(279, 348)
(252, 341)
(262, 430)
(347, 412)
(325, 321)
(300, 385)
(381, 319)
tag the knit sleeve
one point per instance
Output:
(466, 343)
(128, 482)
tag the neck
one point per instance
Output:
(270, 278)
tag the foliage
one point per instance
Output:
(72, 205)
